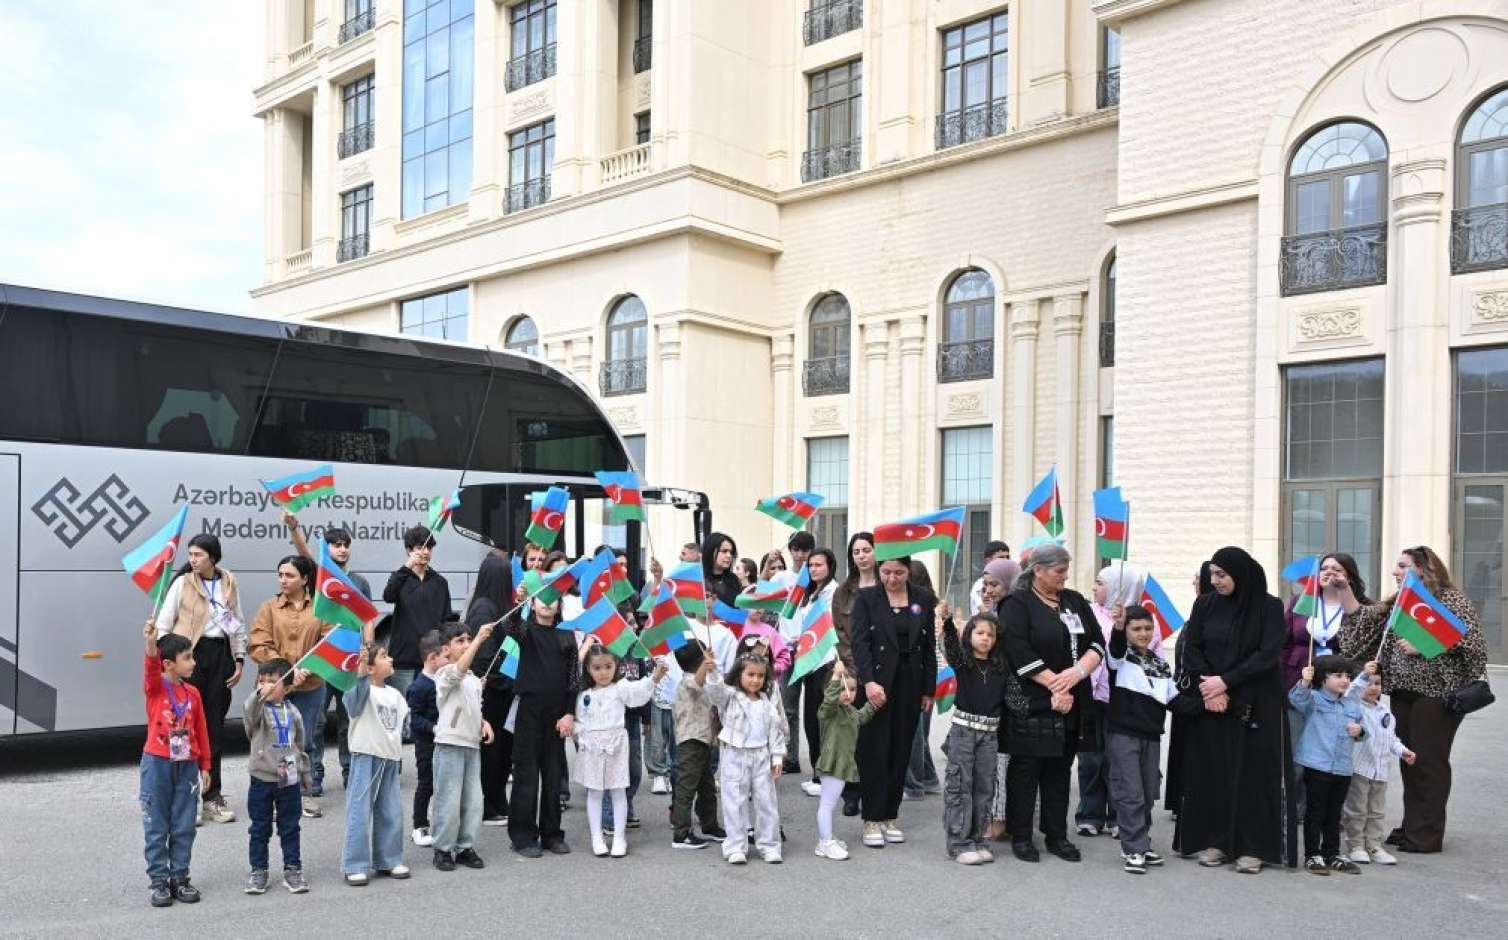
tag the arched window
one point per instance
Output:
(826, 369)
(967, 350)
(1107, 316)
(1337, 235)
(1479, 224)
(623, 370)
(522, 337)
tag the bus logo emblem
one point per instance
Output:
(71, 518)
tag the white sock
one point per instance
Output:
(620, 815)
(594, 814)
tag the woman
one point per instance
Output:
(895, 655)
(747, 572)
(718, 552)
(1116, 584)
(1237, 803)
(1417, 690)
(999, 575)
(203, 606)
(1172, 787)
(1053, 647)
(489, 601)
(822, 565)
(922, 779)
(862, 573)
(771, 564)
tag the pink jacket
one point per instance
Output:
(779, 651)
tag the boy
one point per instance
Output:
(374, 805)
(1141, 686)
(420, 597)
(1367, 796)
(659, 757)
(279, 767)
(459, 736)
(1332, 720)
(696, 737)
(423, 712)
(177, 743)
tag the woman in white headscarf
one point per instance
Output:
(999, 575)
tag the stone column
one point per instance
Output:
(1068, 334)
(324, 201)
(581, 359)
(915, 440)
(1022, 317)
(486, 97)
(782, 389)
(669, 445)
(870, 501)
(586, 87)
(555, 353)
(1046, 96)
(898, 108)
(284, 143)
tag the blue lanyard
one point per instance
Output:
(213, 590)
(179, 711)
(283, 727)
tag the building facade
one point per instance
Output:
(908, 253)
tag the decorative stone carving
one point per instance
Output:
(525, 105)
(823, 417)
(625, 417)
(1490, 307)
(1421, 64)
(967, 404)
(1316, 325)
(356, 170)
(642, 92)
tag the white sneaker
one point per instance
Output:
(422, 838)
(1381, 856)
(874, 835)
(358, 880)
(892, 831)
(218, 811)
(659, 785)
(811, 788)
(772, 856)
(970, 857)
(599, 848)
(1359, 856)
(833, 849)
(737, 858)
(620, 845)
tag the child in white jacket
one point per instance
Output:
(753, 740)
(1372, 762)
(602, 740)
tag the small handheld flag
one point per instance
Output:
(622, 588)
(730, 617)
(686, 582)
(946, 690)
(797, 593)
(818, 638)
(766, 595)
(1112, 518)
(667, 628)
(1044, 504)
(297, 490)
(792, 509)
(1155, 599)
(596, 576)
(546, 588)
(509, 667)
(603, 621)
(337, 599)
(626, 494)
(1304, 573)
(335, 658)
(548, 517)
(518, 570)
(440, 509)
(940, 530)
(1419, 617)
(150, 564)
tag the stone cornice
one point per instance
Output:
(1217, 194)
(1114, 12)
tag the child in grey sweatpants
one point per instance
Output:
(753, 749)
(979, 667)
(1141, 685)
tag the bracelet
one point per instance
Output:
(1079, 668)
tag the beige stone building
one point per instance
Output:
(1248, 260)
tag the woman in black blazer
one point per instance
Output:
(1053, 643)
(895, 653)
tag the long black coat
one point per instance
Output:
(877, 641)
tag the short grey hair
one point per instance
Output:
(1050, 555)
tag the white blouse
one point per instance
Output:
(602, 709)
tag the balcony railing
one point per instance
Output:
(302, 54)
(826, 376)
(830, 161)
(1347, 257)
(971, 359)
(352, 248)
(529, 68)
(298, 262)
(826, 20)
(975, 123)
(358, 24)
(1479, 238)
(1110, 87)
(354, 140)
(625, 164)
(527, 195)
(643, 54)
(623, 377)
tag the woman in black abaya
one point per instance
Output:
(1172, 787)
(1236, 802)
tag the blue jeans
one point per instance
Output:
(921, 772)
(635, 770)
(1094, 791)
(374, 816)
(660, 759)
(169, 799)
(263, 800)
(311, 709)
(457, 812)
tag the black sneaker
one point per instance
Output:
(444, 861)
(470, 859)
(1344, 866)
(714, 832)
(688, 841)
(1151, 857)
(633, 821)
(256, 882)
(1064, 849)
(162, 894)
(850, 807)
(1026, 852)
(558, 847)
(1315, 865)
(529, 851)
(184, 891)
(1395, 837)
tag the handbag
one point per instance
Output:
(1473, 696)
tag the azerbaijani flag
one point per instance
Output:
(1419, 617)
(297, 490)
(793, 509)
(509, 666)
(818, 638)
(543, 587)
(730, 617)
(940, 530)
(797, 593)
(337, 599)
(1169, 621)
(1112, 520)
(548, 517)
(767, 595)
(690, 593)
(595, 575)
(1304, 573)
(622, 588)
(150, 564)
(518, 569)
(335, 658)
(667, 628)
(1045, 505)
(625, 492)
(947, 689)
(603, 621)
(440, 509)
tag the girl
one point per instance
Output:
(978, 663)
(543, 704)
(998, 577)
(602, 739)
(753, 748)
(771, 564)
(747, 572)
(822, 566)
(837, 766)
(374, 805)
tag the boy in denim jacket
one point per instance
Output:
(1332, 723)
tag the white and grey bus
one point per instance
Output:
(113, 414)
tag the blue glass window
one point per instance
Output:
(437, 80)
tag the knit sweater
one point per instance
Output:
(269, 748)
(1465, 662)
(840, 725)
(458, 696)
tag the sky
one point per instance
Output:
(130, 162)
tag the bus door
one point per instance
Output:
(10, 587)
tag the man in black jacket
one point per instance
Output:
(420, 597)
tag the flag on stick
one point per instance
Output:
(690, 594)
(1304, 573)
(337, 599)
(730, 617)
(297, 490)
(1155, 599)
(797, 593)
(548, 517)
(767, 595)
(603, 621)
(335, 658)
(626, 494)
(1112, 516)
(792, 509)
(946, 690)
(1044, 504)
(509, 667)
(1419, 617)
(440, 509)
(940, 530)
(150, 564)
(667, 628)
(818, 638)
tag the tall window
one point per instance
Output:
(966, 481)
(1332, 460)
(355, 223)
(531, 154)
(975, 81)
(438, 316)
(643, 43)
(1479, 224)
(967, 350)
(827, 476)
(360, 17)
(1337, 187)
(437, 71)
(641, 128)
(827, 362)
(834, 121)
(522, 337)
(1110, 72)
(1107, 316)
(356, 121)
(531, 31)
(1480, 488)
(624, 370)
(1107, 451)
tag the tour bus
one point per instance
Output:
(117, 413)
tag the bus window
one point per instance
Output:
(536, 424)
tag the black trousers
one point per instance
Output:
(538, 770)
(497, 757)
(1025, 778)
(1324, 798)
(1430, 731)
(814, 687)
(693, 788)
(424, 764)
(213, 665)
(885, 745)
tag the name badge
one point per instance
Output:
(178, 745)
(1072, 622)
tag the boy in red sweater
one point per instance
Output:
(177, 745)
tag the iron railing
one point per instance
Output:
(1479, 238)
(1110, 87)
(825, 376)
(830, 161)
(970, 359)
(358, 24)
(643, 54)
(528, 194)
(352, 248)
(1335, 260)
(975, 123)
(623, 376)
(529, 68)
(354, 140)
(834, 18)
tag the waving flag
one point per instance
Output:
(337, 599)
(730, 617)
(440, 509)
(940, 530)
(150, 564)
(596, 576)
(1304, 573)
(1112, 521)
(548, 517)
(1419, 617)
(603, 621)
(798, 592)
(1044, 504)
(792, 509)
(667, 628)
(766, 595)
(297, 490)
(509, 666)
(1155, 599)
(622, 588)
(626, 494)
(818, 638)
(335, 658)
(946, 690)
(518, 569)
(546, 588)
(686, 582)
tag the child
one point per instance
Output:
(459, 736)
(374, 805)
(1368, 795)
(836, 765)
(1332, 720)
(973, 738)
(544, 698)
(279, 770)
(177, 744)
(423, 712)
(1141, 686)
(695, 731)
(602, 741)
(753, 750)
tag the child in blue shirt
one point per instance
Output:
(1332, 723)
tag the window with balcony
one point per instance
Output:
(437, 77)
(1109, 92)
(625, 369)
(825, 19)
(360, 18)
(1479, 223)
(355, 224)
(826, 369)
(834, 121)
(641, 128)
(522, 337)
(966, 481)
(643, 42)
(531, 29)
(1107, 316)
(356, 117)
(531, 153)
(975, 81)
(1337, 234)
(437, 316)
(967, 350)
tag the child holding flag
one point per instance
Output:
(1141, 686)
(374, 805)
(695, 730)
(1332, 714)
(1367, 797)
(602, 740)
(544, 694)
(459, 736)
(279, 769)
(836, 766)
(177, 745)
(753, 749)
(423, 713)
(978, 662)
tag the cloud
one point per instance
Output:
(131, 165)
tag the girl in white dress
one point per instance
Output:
(602, 738)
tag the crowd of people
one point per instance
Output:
(1268, 735)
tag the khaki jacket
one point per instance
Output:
(284, 629)
(186, 609)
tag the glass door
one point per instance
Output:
(1480, 555)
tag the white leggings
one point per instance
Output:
(832, 791)
(594, 813)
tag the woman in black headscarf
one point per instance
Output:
(1236, 802)
(1172, 787)
(489, 601)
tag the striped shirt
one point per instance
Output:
(1372, 756)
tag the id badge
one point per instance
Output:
(1072, 622)
(178, 745)
(288, 771)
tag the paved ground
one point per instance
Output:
(70, 849)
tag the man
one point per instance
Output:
(800, 545)
(420, 597)
(992, 550)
